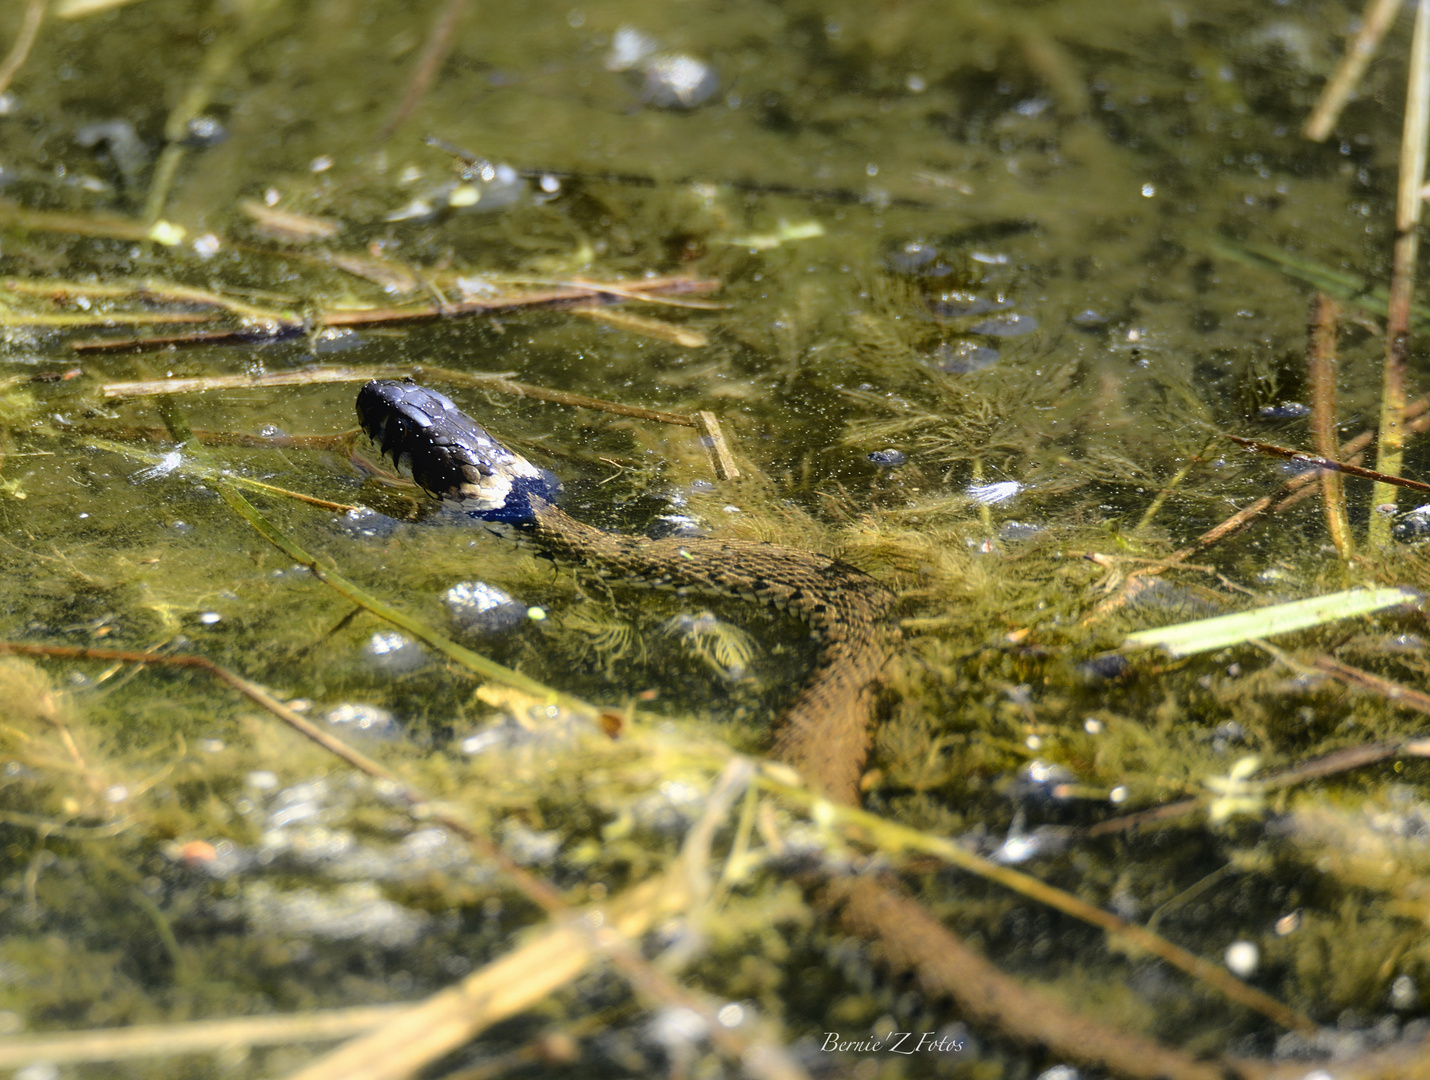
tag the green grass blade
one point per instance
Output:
(1351, 289)
(487, 669)
(1185, 639)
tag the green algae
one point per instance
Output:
(1072, 160)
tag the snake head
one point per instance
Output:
(448, 454)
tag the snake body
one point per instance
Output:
(824, 731)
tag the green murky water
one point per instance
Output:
(977, 241)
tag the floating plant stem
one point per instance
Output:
(985, 514)
(1160, 499)
(1321, 360)
(84, 320)
(217, 63)
(150, 289)
(105, 226)
(1378, 17)
(892, 838)
(434, 52)
(20, 51)
(1402, 274)
(714, 438)
(210, 473)
(74, 9)
(1217, 533)
(192, 1037)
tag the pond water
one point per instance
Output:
(972, 290)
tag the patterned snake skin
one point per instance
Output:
(824, 731)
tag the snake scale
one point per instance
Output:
(824, 731)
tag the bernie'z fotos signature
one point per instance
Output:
(896, 1042)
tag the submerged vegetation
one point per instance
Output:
(973, 294)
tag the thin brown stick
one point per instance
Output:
(149, 289)
(1379, 16)
(313, 376)
(1305, 485)
(1402, 272)
(280, 327)
(161, 342)
(341, 440)
(84, 320)
(1112, 562)
(1332, 764)
(1298, 487)
(1344, 760)
(1322, 365)
(910, 939)
(20, 51)
(1235, 523)
(1393, 692)
(551, 297)
(298, 496)
(1417, 420)
(1151, 815)
(252, 691)
(645, 327)
(434, 52)
(1381, 478)
(611, 288)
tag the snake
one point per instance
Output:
(824, 730)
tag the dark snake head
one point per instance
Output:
(448, 454)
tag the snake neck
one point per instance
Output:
(824, 732)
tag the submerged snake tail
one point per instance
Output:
(824, 731)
